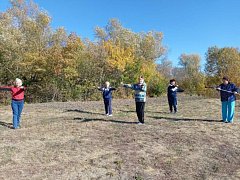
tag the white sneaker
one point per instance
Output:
(107, 114)
(140, 123)
(110, 115)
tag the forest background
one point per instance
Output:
(61, 66)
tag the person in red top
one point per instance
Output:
(17, 100)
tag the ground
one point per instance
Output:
(75, 140)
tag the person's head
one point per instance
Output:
(18, 82)
(172, 81)
(141, 80)
(107, 84)
(225, 80)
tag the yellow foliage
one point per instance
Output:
(118, 57)
(149, 70)
(33, 61)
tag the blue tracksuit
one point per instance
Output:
(172, 97)
(228, 101)
(107, 98)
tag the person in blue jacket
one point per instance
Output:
(228, 91)
(140, 97)
(107, 97)
(172, 95)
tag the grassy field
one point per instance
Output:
(75, 140)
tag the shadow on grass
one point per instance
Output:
(184, 119)
(158, 112)
(103, 120)
(8, 125)
(131, 111)
(128, 111)
(82, 111)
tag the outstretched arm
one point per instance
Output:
(100, 88)
(174, 89)
(127, 86)
(5, 88)
(218, 88)
(180, 90)
(23, 87)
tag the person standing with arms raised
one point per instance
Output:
(107, 97)
(228, 91)
(17, 100)
(140, 97)
(172, 91)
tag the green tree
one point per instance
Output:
(61, 66)
(193, 79)
(221, 62)
(131, 54)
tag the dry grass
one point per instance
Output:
(74, 140)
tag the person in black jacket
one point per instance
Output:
(172, 95)
(228, 93)
(107, 97)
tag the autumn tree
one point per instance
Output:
(165, 68)
(60, 66)
(132, 54)
(221, 62)
(192, 79)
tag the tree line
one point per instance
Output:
(61, 66)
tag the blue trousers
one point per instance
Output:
(17, 107)
(108, 106)
(228, 108)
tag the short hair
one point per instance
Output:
(225, 78)
(172, 80)
(18, 81)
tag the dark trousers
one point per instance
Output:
(172, 102)
(140, 111)
(108, 106)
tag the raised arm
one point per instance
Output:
(180, 90)
(174, 89)
(128, 86)
(142, 87)
(5, 88)
(100, 88)
(23, 87)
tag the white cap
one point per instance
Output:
(19, 81)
